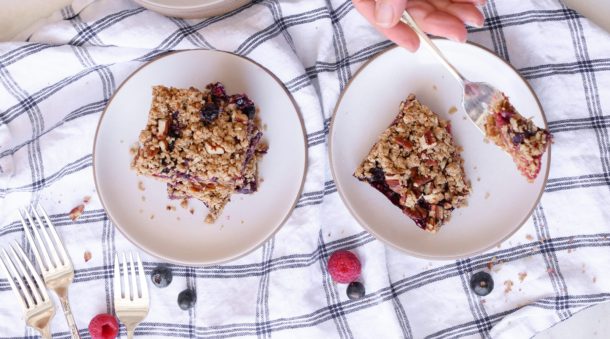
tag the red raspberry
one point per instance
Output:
(103, 326)
(344, 267)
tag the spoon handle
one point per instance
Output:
(423, 37)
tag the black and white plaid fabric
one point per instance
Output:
(55, 85)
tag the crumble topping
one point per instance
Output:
(518, 136)
(203, 144)
(416, 165)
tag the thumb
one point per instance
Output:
(388, 12)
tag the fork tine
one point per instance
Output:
(22, 286)
(40, 247)
(126, 287)
(62, 250)
(117, 279)
(26, 275)
(41, 285)
(134, 282)
(9, 277)
(142, 276)
(50, 246)
(28, 235)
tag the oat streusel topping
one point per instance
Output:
(416, 165)
(518, 136)
(203, 144)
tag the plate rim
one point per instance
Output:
(388, 242)
(243, 252)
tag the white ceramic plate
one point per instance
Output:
(501, 198)
(248, 220)
(192, 9)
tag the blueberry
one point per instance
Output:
(161, 276)
(174, 126)
(518, 138)
(377, 174)
(481, 283)
(244, 104)
(187, 299)
(249, 111)
(209, 112)
(355, 290)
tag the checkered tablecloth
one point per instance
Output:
(55, 85)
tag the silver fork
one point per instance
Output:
(57, 273)
(131, 303)
(35, 302)
(477, 96)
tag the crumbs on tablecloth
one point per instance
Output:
(86, 199)
(522, 276)
(141, 186)
(241, 222)
(178, 218)
(434, 87)
(170, 207)
(143, 198)
(487, 195)
(452, 110)
(485, 140)
(490, 264)
(594, 279)
(76, 212)
(192, 211)
(152, 216)
(529, 237)
(87, 256)
(508, 286)
(464, 118)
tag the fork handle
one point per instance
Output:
(423, 37)
(45, 332)
(65, 305)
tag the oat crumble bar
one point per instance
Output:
(202, 144)
(417, 166)
(518, 136)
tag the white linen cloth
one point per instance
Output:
(55, 85)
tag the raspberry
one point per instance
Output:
(103, 326)
(344, 267)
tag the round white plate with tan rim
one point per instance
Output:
(181, 235)
(501, 199)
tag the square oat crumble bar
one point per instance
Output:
(518, 136)
(202, 144)
(416, 165)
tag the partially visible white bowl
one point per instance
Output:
(192, 9)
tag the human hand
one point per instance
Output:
(444, 18)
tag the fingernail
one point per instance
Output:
(475, 24)
(384, 14)
(456, 39)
